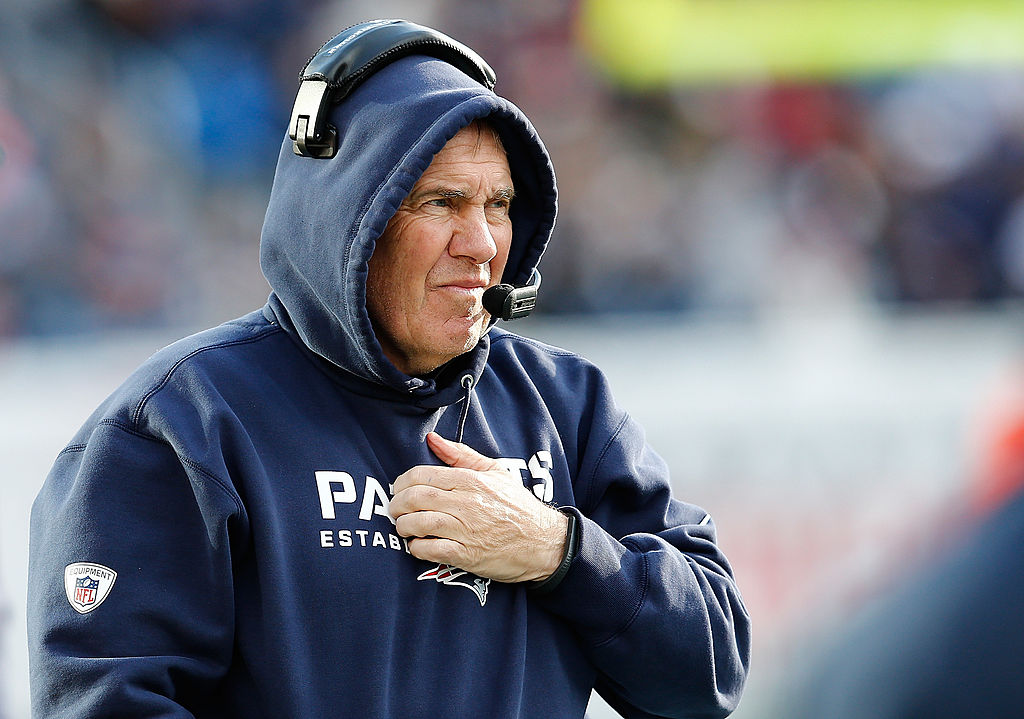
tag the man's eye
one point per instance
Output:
(439, 202)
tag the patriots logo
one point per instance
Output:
(447, 574)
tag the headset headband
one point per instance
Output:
(352, 56)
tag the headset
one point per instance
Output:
(508, 302)
(353, 55)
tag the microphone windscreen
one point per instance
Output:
(495, 300)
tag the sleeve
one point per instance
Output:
(130, 606)
(649, 592)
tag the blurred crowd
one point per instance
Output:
(138, 140)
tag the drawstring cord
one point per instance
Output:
(467, 384)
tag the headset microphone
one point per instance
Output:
(507, 302)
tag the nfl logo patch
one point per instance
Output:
(85, 591)
(87, 585)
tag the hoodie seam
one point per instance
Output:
(644, 584)
(601, 457)
(588, 489)
(514, 338)
(137, 414)
(192, 464)
(584, 497)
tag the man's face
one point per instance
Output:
(445, 245)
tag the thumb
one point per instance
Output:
(455, 454)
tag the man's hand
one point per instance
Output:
(476, 516)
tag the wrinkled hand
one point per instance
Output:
(476, 516)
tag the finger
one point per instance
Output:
(427, 475)
(455, 454)
(435, 549)
(417, 498)
(437, 525)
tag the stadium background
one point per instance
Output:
(791, 231)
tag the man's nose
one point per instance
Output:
(473, 238)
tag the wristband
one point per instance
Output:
(572, 541)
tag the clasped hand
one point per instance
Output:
(474, 515)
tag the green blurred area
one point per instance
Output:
(652, 43)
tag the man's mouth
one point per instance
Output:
(472, 286)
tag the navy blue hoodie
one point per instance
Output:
(215, 541)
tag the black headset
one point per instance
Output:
(348, 59)
(353, 55)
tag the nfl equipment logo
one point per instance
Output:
(85, 591)
(87, 585)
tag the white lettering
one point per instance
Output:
(334, 488)
(373, 493)
(329, 539)
(540, 470)
(513, 465)
(357, 33)
(328, 498)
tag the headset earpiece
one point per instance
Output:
(352, 56)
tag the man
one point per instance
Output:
(343, 505)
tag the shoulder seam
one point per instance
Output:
(137, 414)
(550, 349)
(71, 448)
(224, 486)
(82, 446)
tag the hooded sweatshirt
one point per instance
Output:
(215, 541)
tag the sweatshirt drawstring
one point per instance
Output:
(467, 384)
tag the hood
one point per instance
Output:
(325, 216)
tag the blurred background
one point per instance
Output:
(791, 231)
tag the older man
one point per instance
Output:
(364, 500)
(424, 294)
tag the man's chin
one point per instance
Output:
(456, 337)
(464, 341)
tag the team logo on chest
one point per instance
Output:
(447, 574)
(352, 512)
(87, 585)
